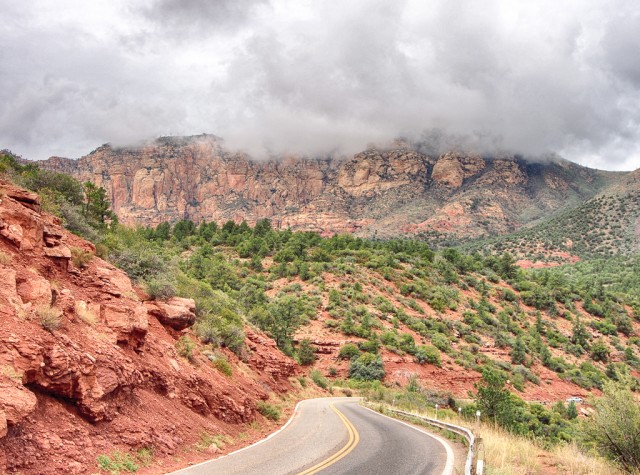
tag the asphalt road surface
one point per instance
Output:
(337, 436)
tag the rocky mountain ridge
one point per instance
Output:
(390, 192)
(88, 365)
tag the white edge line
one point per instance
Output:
(295, 411)
(448, 468)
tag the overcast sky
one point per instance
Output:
(313, 77)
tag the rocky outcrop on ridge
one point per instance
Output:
(378, 192)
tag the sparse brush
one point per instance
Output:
(85, 314)
(221, 363)
(117, 462)
(50, 317)
(269, 411)
(207, 440)
(160, 288)
(5, 259)
(185, 347)
(319, 379)
(80, 258)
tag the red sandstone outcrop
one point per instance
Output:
(87, 368)
(177, 313)
(385, 192)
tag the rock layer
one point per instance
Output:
(386, 192)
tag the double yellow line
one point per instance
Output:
(354, 438)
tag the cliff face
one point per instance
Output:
(376, 192)
(88, 367)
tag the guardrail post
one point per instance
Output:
(478, 461)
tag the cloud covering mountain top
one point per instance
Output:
(317, 77)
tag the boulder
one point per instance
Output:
(59, 252)
(25, 198)
(116, 282)
(177, 313)
(128, 320)
(9, 297)
(16, 402)
(33, 288)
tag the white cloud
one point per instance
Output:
(316, 77)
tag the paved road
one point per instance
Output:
(337, 436)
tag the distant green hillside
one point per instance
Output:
(606, 225)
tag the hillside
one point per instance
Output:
(606, 225)
(410, 312)
(93, 369)
(378, 192)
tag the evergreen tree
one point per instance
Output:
(306, 355)
(579, 335)
(519, 352)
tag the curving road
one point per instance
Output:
(337, 436)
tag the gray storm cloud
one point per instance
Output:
(325, 77)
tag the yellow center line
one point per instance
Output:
(354, 438)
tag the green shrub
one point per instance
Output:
(185, 347)
(269, 411)
(117, 462)
(349, 352)
(367, 367)
(370, 346)
(441, 342)
(319, 379)
(614, 428)
(427, 354)
(599, 351)
(306, 355)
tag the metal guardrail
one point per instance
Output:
(469, 468)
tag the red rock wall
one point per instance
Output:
(384, 192)
(104, 372)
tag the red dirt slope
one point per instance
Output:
(87, 368)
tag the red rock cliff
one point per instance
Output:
(384, 192)
(86, 367)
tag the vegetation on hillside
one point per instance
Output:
(83, 207)
(449, 309)
(395, 296)
(604, 226)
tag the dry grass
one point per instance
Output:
(85, 314)
(80, 257)
(50, 317)
(10, 372)
(571, 461)
(506, 454)
(5, 259)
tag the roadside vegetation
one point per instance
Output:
(519, 437)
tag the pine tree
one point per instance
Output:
(306, 355)
(519, 352)
(579, 336)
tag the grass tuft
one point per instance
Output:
(50, 317)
